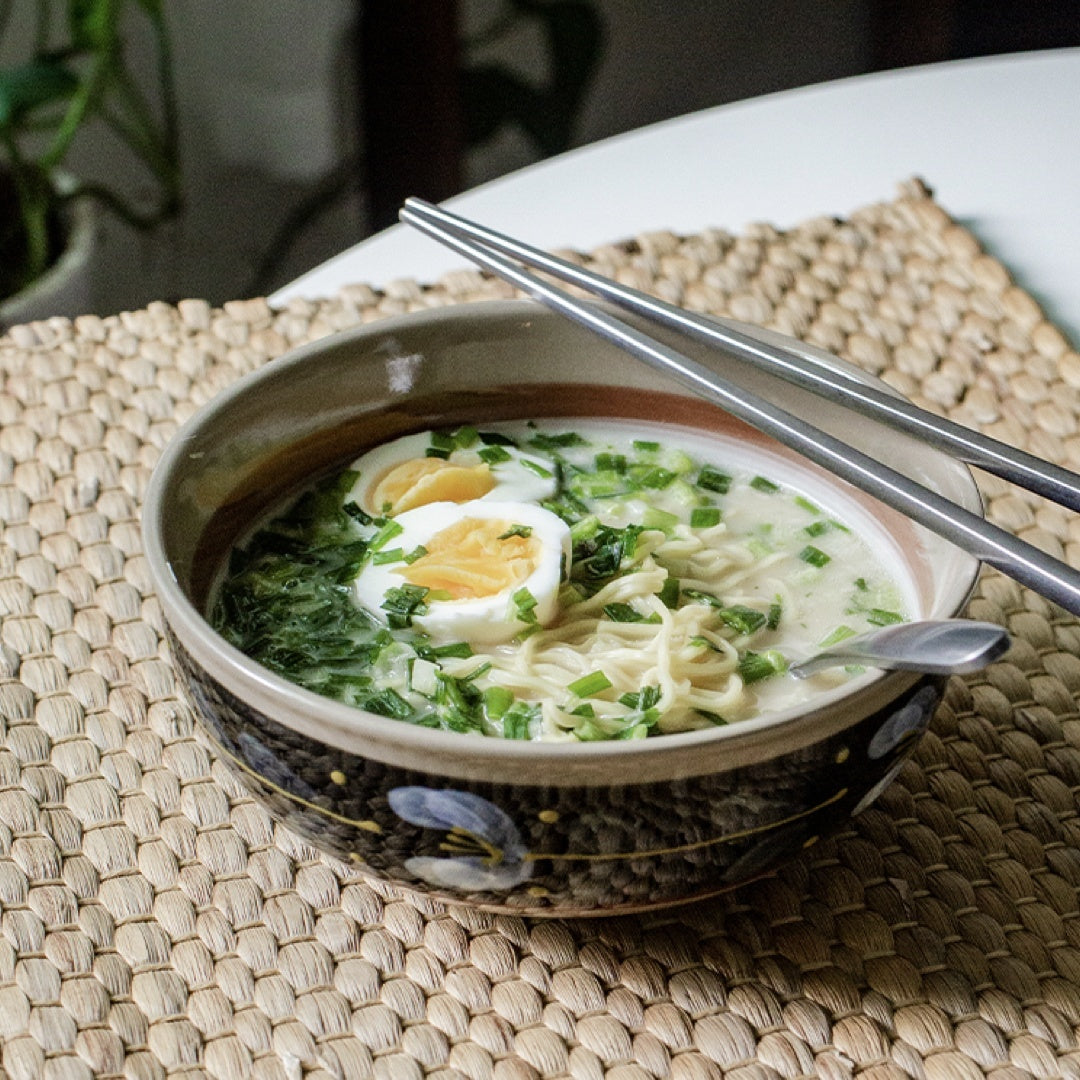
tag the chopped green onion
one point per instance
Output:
(596, 682)
(742, 619)
(524, 602)
(713, 480)
(645, 446)
(403, 602)
(881, 617)
(385, 534)
(517, 530)
(816, 528)
(388, 556)
(807, 505)
(669, 592)
(417, 552)
(753, 667)
(387, 703)
(460, 649)
(611, 463)
(763, 483)
(643, 699)
(493, 455)
(654, 518)
(776, 611)
(841, 633)
(814, 556)
(652, 477)
(497, 699)
(495, 438)
(543, 440)
(480, 669)
(704, 517)
(436, 452)
(423, 677)
(703, 597)
(589, 731)
(518, 719)
(440, 440)
(860, 584)
(536, 467)
(585, 529)
(356, 513)
(465, 437)
(617, 612)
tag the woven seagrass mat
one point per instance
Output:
(155, 921)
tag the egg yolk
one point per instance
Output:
(426, 480)
(474, 558)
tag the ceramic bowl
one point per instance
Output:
(530, 827)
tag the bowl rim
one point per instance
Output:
(399, 743)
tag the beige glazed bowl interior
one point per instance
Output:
(320, 406)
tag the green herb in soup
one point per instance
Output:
(577, 583)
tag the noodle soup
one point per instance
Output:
(560, 581)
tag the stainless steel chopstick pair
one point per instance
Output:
(1022, 561)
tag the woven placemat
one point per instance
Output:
(156, 922)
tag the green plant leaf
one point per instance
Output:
(93, 24)
(30, 86)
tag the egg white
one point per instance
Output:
(487, 620)
(514, 481)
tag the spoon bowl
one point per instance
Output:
(933, 646)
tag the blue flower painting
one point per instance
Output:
(484, 848)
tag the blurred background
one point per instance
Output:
(230, 146)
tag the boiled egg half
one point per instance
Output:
(492, 569)
(410, 472)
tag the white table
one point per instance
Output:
(998, 141)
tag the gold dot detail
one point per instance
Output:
(356, 857)
(548, 817)
(338, 777)
(538, 891)
(842, 755)
(810, 841)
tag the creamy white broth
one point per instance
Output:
(618, 656)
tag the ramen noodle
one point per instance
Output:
(585, 582)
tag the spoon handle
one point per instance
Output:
(947, 647)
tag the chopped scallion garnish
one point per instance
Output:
(517, 530)
(753, 667)
(814, 556)
(881, 617)
(390, 555)
(459, 649)
(386, 533)
(713, 480)
(596, 682)
(617, 612)
(704, 517)
(493, 455)
(536, 467)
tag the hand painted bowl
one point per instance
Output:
(530, 827)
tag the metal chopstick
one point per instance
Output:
(989, 543)
(972, 447)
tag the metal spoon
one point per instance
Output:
(937, 647)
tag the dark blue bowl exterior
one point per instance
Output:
(542, 848)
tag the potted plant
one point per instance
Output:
(74, 68)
